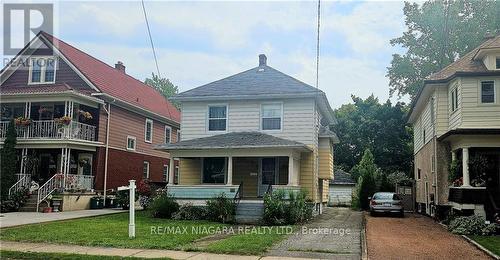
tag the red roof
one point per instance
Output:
(22, 89)
(114, 82)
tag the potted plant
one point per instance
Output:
(62, 121)
(84, 115)
(22, 121)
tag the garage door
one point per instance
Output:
(340, 195)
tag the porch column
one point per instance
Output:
(465, 167)
(453, 156)
(290, 170)
(171, 171)
(229, 170)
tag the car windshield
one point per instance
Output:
(385, 196)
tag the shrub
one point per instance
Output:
(471, 225)
(297, 209)
(367, 170)
(274, 208)
(16, 201)
(123, 198)
(221, 209)
(190, 212)
(163, 206)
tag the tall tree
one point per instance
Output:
(164, 86)
(381, 128)
(438, 33)
(367, 171)
(8, 160)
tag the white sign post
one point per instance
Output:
(131, 225)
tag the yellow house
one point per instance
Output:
(251, 133)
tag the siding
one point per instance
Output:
(125, 123)
(245, 116)
(307, 179)
(190, 171)
(325, 170)
(325, 190)
(474, 113)
(455, 117)
(425, 122)
(442, 108)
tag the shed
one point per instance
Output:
(341, 188)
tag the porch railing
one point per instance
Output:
(49, 129)
(53, 184)
(23, 182)
(79, 182)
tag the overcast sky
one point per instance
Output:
(199, 42)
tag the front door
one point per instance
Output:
(85, 164)
(267, 174)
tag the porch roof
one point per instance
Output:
(234, 140)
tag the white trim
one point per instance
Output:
(146, 130)
(147, 169)
(281, 116)
(165, 134)
(129, 137)
(43, 69)
(207, 122)
(480, 96)
(165, 178)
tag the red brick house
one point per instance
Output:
(79, 118)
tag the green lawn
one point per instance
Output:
(59, 256)
(492, 243)
(112, 231)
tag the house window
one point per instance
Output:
(11, 111)
(178, 135)
(148, 131)
(217, 118)
(498, 63)
(214, 170)
(42, 70)
(271, 116)
(454, 99)
(487, 92)
(145, 170)
(418, 174)
(131, 143)
(165, 173)
(176, 175)
(423, 136)
(433, 163)
(168, 134)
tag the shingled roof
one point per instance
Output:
(262, 80)
(114, 82)
(342, 177)
(233, 140)
(466, 64)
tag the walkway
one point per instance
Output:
(23, 218)
(336, 234)
(415, 237)
(121, 252)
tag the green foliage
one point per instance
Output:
(221, 209)
(8, 161)
(164, 86)
(190, 212)
(384, 184)
(123, 198)
(454, 171)
(471, 225)
(478, 168)
(368, 124)
(280, 211)
(16, 201)
(163, 206)
(367, 170)
(399, 178)
(437, 34)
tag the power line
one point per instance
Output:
(150, 38)
(317, 45)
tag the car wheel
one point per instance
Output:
(402, 214)
(372, 213)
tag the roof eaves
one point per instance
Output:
(239, 97)
(173, 147)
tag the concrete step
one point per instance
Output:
(249, 212)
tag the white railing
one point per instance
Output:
(79, 182)
(48, 188)
(23, 182)
(49, 129)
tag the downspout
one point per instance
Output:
(108, 111)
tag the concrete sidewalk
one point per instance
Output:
(121, 252)
(12, 219)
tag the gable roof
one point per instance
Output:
(342, 177)
(114, 82)
(261, 80)
(467, 64)
(233, 140)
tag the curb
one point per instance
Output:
(480, 247)
(364, 246)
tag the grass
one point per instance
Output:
(112, 231)
(492, 243)
(4, 254)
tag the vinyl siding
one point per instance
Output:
(340, 195)
(307, 180)
(425, 122)
(298, 119)
(325, 159)
(325, 190)
(190, 171)
(442, 110)
(455, 117)
(474, 113)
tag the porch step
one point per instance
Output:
(249, 212)
(30, 205)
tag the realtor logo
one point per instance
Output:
(21, 23)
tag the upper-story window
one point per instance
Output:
(498, 63)
(42, 70)
(178, 135)
(488, 91)
(454, 99)
(148, 131)
(271, 116)
(131, 143)
(217, 118)
(168, 134)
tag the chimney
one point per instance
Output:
(262, 60)
(119, 66)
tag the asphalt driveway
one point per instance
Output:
(333, 235)
(415, 237)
